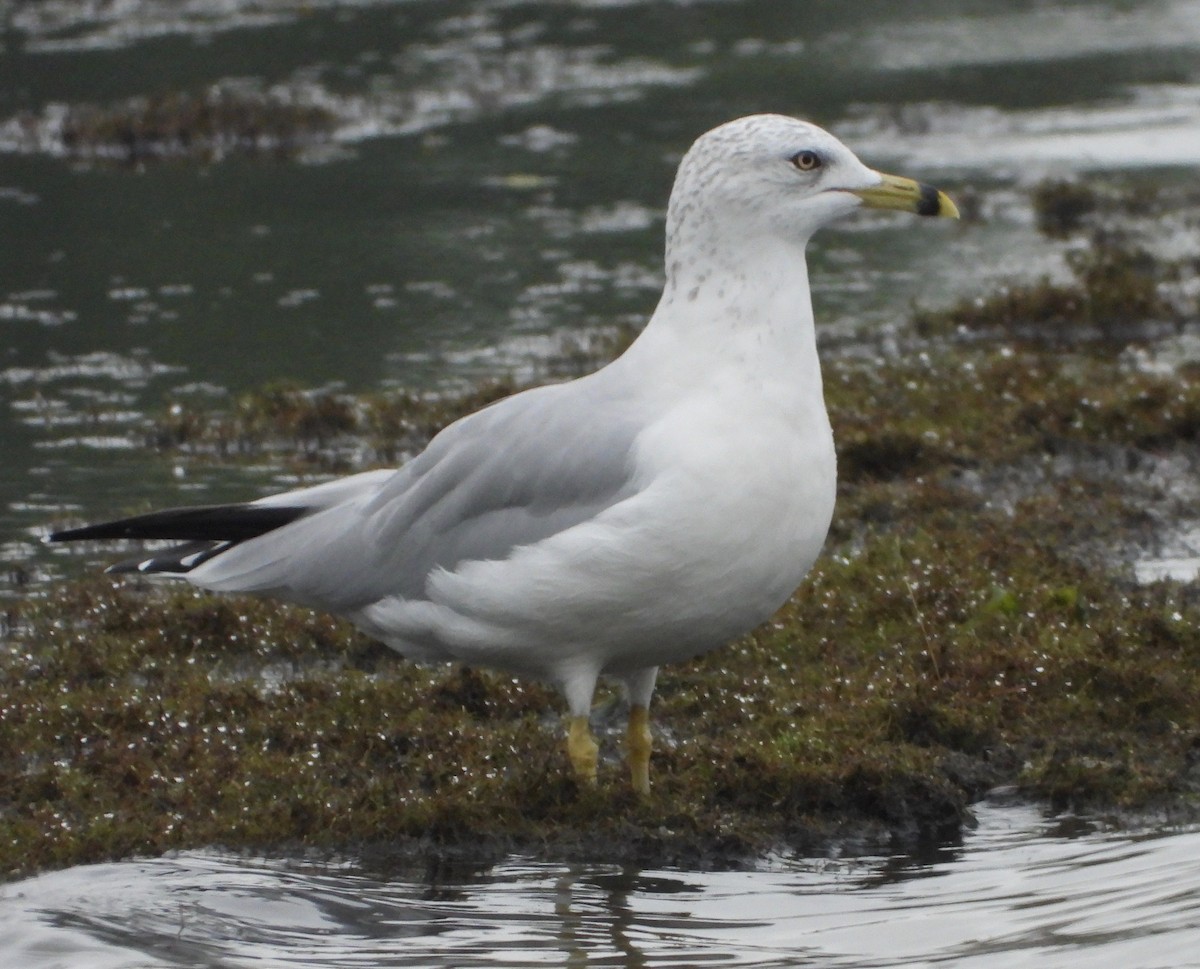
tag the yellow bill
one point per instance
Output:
(906, 195)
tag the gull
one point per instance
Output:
(646, 513)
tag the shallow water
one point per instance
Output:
(1016, 893)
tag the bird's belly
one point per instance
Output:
(741, 558)
(703, 554)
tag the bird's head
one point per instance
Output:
(770, 174)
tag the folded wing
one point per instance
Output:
(512, 474)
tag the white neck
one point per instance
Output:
(740, 310)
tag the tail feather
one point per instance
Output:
(203, 532)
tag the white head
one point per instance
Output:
(769, 175)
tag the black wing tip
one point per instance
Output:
(206, 523)
(202, 533)
(79, 534)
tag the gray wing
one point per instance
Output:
(509, 475)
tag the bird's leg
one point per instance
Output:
(583, 749)
(637, 746)
(637, 734)
(579, 685)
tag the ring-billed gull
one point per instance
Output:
(640, 515)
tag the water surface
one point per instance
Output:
(1018, 892)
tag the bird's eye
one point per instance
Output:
(806, 160)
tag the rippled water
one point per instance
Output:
(1017, 893)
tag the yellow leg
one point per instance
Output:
(582, 749)
(637, 745)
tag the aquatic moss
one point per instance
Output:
(946, 642)
(946, 409)
(327, 430)
(1064, 208)
(1125, 286)
(1061, 206)
(1116, 297)
(323, 430)
(933, 656)
(967, 408)
(221, 120)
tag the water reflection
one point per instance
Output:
(1018, 891)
